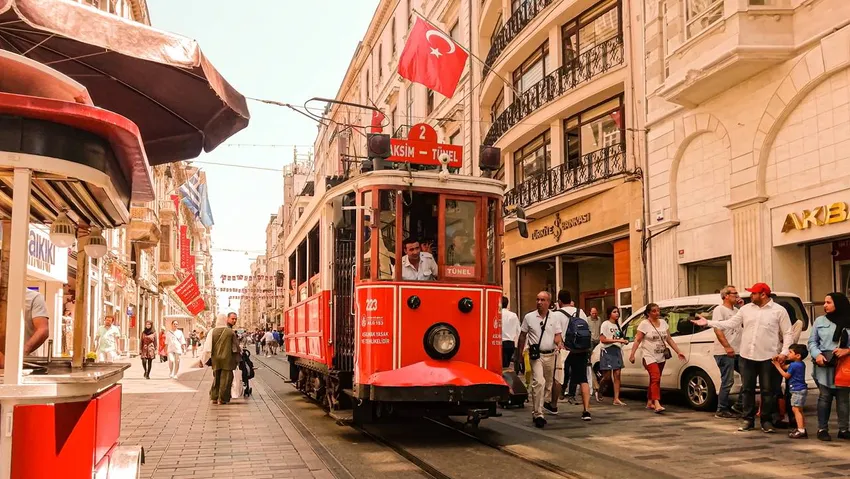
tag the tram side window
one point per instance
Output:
(386, 240)
(420, 229)
(302, 293)
(366, 266)
(492, 224)
(314, 255)
(460, 231)
(293, 282)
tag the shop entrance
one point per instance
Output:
(587, 273)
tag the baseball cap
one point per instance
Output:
(759, 288)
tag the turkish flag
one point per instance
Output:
(377, 122)
(432, 58)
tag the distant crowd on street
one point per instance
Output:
(553, 344)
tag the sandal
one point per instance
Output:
(619, 403)
(660, 410)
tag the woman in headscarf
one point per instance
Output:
(827, 342)
(147, 350)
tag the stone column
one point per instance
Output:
(748, 241)
(665, 268)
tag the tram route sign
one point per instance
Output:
(421, 148)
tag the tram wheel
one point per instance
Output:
(365, 412)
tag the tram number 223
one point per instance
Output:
(371, 304)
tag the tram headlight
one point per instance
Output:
(441, 341)
(465, 305)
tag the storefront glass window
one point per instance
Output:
(461, 234)
(708, 277)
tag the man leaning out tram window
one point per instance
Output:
(417, 265)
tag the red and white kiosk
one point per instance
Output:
(69, 164)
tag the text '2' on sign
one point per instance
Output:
(421, 148)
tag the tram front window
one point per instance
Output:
(460, 229)
(420, 229)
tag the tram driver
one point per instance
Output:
(417, 265)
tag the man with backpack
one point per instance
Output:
(578, 341)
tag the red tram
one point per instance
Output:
(367, 328)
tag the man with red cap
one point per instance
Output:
(764, 322)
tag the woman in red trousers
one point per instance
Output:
(653, 336)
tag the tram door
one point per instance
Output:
(344, 261)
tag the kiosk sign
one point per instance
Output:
(45, 260)
(421, 148)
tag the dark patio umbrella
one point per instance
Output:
(159, 80)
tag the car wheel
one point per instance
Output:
(699, 390)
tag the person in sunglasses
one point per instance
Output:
(544, 337)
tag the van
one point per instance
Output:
(698, 377)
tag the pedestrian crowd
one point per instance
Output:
(553, 345)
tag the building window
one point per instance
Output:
(430, 103)
(533, 69)
(533, 158)
(393, 119)
(455, 139)
(368, 86)
(592, 130)
(708, 277)
(454, 32)
(409, 100)
(392, 37)
(516, 5)
(498, 106)
(591, 28)
(380, 62)
(701, 14)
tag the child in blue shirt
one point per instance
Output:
(795, 373)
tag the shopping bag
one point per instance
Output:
(238, 388)
(842, 372)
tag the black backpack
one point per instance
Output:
(577, 337)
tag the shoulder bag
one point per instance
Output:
(215, 343)
(534, 349)
(667, 353)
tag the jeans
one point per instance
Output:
(222, 382)
(508, 349)
(763, 371)
(654, 370)
(727, 367)
(842, 404)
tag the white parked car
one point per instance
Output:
(698, 377)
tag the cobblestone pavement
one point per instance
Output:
(685, 443)
(185, 436)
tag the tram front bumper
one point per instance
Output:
(438, 381)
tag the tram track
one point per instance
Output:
(433, 464)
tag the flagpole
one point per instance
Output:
(468, 52)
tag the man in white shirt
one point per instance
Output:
(543, 333)
(764, 323)
(727, 345)
(106, 341)
(269, 340)
(36, 326)
(595, 322)
(175, 343)
(510, 333)
(417, 265)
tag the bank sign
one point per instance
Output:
(45, 261)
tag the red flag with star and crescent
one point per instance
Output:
(432, 58)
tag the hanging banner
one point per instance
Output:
(192, 264)
(176, 200)
(187, 290)
(247, 277)
(196, 306)
(185, 245)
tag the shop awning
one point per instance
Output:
(160, 81)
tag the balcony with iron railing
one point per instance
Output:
(167, 210)
(512, 28)
(588, 65)
(593, 167)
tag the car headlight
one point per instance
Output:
(441, 341)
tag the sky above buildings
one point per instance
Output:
(282, 50)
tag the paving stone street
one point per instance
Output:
(186, 436)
